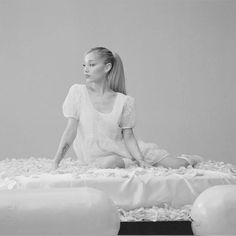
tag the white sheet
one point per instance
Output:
(132, 188)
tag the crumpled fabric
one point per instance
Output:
(130, 188)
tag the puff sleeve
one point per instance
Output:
(71, 105)
(128, 114)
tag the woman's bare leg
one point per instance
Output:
(109, 162)
(177, 162)
(172, 162)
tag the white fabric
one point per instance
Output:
(129, 188)
(100, 134)
(134, 188)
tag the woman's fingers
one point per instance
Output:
(54, 166)
(144, 164)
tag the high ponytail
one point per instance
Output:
(116, 76)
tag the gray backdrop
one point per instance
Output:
(179, 59)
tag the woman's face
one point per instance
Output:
(94, 68)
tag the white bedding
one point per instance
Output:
(129, 188)
(134, 189)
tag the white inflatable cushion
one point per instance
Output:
(214, 211)
(80, 211)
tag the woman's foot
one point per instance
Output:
(191, 159)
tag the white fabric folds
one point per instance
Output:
(134, 189)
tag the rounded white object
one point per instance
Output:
(77, 211)
(214, 211)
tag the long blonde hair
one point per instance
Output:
(116, 76)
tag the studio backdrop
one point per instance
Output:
(179, 59)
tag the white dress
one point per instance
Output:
(100, 134)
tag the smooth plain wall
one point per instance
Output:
(179, 58)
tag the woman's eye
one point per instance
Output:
(89, 65)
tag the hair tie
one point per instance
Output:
(114, 54)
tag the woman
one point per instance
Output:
(101, 118)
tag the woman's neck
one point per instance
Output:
(98, 88)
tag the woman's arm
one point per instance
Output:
(132, 146)
(66, 140)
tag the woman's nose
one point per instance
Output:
(85, 69)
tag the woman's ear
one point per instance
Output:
(108, 67)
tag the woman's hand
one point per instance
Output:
(143, 164)
(55, 165)
(133, 148)
(67, 139)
